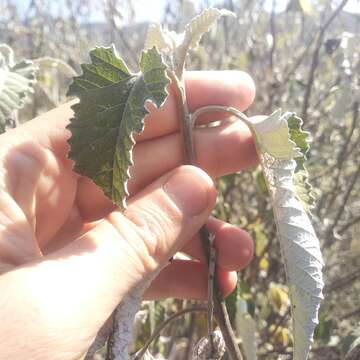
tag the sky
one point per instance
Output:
(153, 13)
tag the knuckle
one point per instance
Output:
(154, 226)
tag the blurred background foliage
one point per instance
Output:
(306, 59)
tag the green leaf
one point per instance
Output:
(301, 178)
(324, 329)
(230, 302)
(300, 138)
(16, 82)
(260, 182)
(110, 111)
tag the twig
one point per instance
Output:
(275, 329)
(100, 339)
(341, 157)
(351, 313)
(211, 279)
(315, 59)
(329, 232)
(299, 60)
(220, 310)
(221, 314)
(165, 323)
(343, 282)
(349, 224)
(217, 108)
(123, 317)
(172, 334)
(188, 122)
(325, 96)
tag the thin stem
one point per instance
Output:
(349, 224)
(351, 314)
(220, 310)
(211, 279)
(329, 233)
(280, 322)
(343, 282)
(187, 124)
(217, 108)
(165, 323)
(299, 61)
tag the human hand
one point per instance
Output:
(68, 256)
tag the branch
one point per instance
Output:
(343, 282)
(187, 124)
(349, 224)
(211, 280)
(298, 61)
(123, 318)
(330, 230)
(220, 310)
(280, 322)
(315, 59)
(351, 313)
(165, 323)
(100, 339)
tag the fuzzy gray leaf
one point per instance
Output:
(16, 82)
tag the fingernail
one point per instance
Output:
(189, 188)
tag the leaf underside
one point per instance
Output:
(111, 109)
(300, 247)
(201, 24)
(16, 82)
(156, 36)
(177, 45)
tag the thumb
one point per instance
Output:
(123, 248)
(161, 218)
